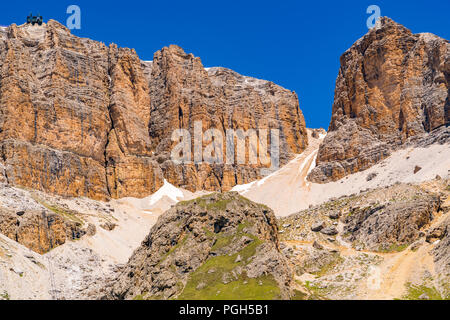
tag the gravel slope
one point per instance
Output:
(287, 191)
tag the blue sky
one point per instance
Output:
(296, 44)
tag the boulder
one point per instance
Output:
(316, 227)
(330, 231)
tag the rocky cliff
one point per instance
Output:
(79, 118)
(183, 93)
(221, 246)
(35, 221)
(39, 231)
(392, 86)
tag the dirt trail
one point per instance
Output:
(399, 269)
(396, 271)
(389, 279)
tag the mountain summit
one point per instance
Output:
(393, 87)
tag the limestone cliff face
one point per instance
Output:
(78, 118)
(53, 120)
(392, 85)
(183, 93)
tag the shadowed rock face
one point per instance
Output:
(78, 118)
(221, 246)
(392, 86)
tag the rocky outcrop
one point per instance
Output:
(442, 253)
(385, 233)
(42, 222)
(391, 226)
(57, 96)
(78, 118)
(39, 231)
(393, 86)
(220, 246)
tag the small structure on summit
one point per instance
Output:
(34, 19)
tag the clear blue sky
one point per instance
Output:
(296, 44)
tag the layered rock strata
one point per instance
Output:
(79, 118)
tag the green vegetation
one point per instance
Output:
(179, 244)
(206, 203)
(4, 296)
(315, 293)
(224, 240)
(298, 295)
(220, 204)
(206, 283)
(445, 290)
(394, 248)
(337, 259)
(263, 288)
(65, 214)
(60, 211)
(414, 292)
(324, 292)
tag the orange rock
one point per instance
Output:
(392, 86)
(38, 231)
(78, 118)
(183, 92)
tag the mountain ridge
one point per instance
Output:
(85, 143)
(79, 118)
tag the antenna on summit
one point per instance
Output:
(34, 19)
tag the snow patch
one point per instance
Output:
(243, 188)
(167, 190)
(305, 162)
(288, 191)
(313, 165)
